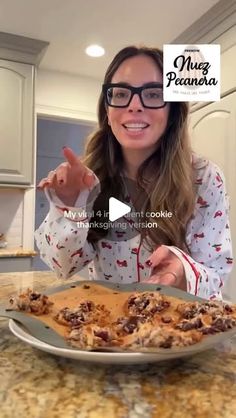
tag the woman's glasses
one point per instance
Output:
(120, 95)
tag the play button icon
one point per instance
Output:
(113, 214)
(117, 209)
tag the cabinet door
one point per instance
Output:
(214, 135)
(16, 122)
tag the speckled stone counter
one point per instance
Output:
(16, 252)
(36, 384)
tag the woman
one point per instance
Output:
(142, 138)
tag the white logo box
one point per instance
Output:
(191, 73)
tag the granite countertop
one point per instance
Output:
(16, 252)
(36, 384)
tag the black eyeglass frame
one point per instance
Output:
(134, 90)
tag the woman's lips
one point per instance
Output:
(135, 127)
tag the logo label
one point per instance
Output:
(191, 73)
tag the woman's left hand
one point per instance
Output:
(167, 269)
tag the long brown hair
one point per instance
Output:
(167, 172)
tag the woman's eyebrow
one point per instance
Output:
(149, 83)
(122, 83)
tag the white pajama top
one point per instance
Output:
(64, 246)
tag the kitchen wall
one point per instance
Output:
(11, 217)
(66, 95)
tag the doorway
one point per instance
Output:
(52, 135)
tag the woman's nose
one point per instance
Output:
(135, 104)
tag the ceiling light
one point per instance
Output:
(95, 51)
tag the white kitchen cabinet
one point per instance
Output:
(214, 136)
(16, 122)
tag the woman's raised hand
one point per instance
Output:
(69, 178)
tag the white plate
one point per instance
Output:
(95, 357)
(119, 358)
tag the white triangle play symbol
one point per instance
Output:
(117, 209)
